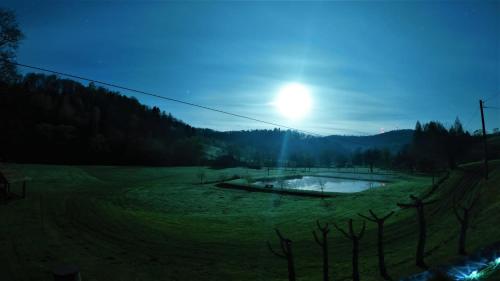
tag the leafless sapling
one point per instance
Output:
(419, 204)
(282, 185)
(380, 240)
(323, 243)
(355, 246)
(324, 202)
(24, 189)
(201, 175)
(222, 177)
(286, 253)
(462, 212)
(321, 184)
(248, 178)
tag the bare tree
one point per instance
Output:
(248, 178)
(286, 253)
(462, 212)
(419, 204)
(222, 177)
(323, 243)
(321, 183)
(324, 202)
(355, 246)
(201, 175)
(282, 185)
(380, 240)
(10, 35)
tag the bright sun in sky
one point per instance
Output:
(293, 101)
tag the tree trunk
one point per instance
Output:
(291, 267)
(355, 254)
(463, 233)
(325, 257)
(453, 164)
(421, 238)
(381, 259)
(24, 189)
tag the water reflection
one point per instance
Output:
(327, 184)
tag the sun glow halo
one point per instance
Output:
(293, 101)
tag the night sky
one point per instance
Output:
(370, 66)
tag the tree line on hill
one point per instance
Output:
(430, 147)
(291, 149)
(47, 119)
(434, 147)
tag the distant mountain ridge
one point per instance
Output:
(394, 140)
(276, 144)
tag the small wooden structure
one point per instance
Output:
(9, 177)
(4, 186)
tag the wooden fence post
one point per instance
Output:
(24, 189)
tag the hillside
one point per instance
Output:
(131, 223)
(301, 148)
(45, 119)
(394, 140)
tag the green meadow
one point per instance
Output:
(150, 223)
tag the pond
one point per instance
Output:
(329, 184)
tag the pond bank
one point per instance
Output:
(296, 192)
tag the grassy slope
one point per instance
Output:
(125, 223)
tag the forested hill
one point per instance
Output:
(394, 140)
(50, 120)
(46, 119)
(262, 145)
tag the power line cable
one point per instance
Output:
(185, 102)
(491, 97)
(474, 114)
(162, 97)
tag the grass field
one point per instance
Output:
(139, 223)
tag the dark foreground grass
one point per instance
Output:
(135, 223)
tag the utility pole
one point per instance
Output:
(481, 106)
